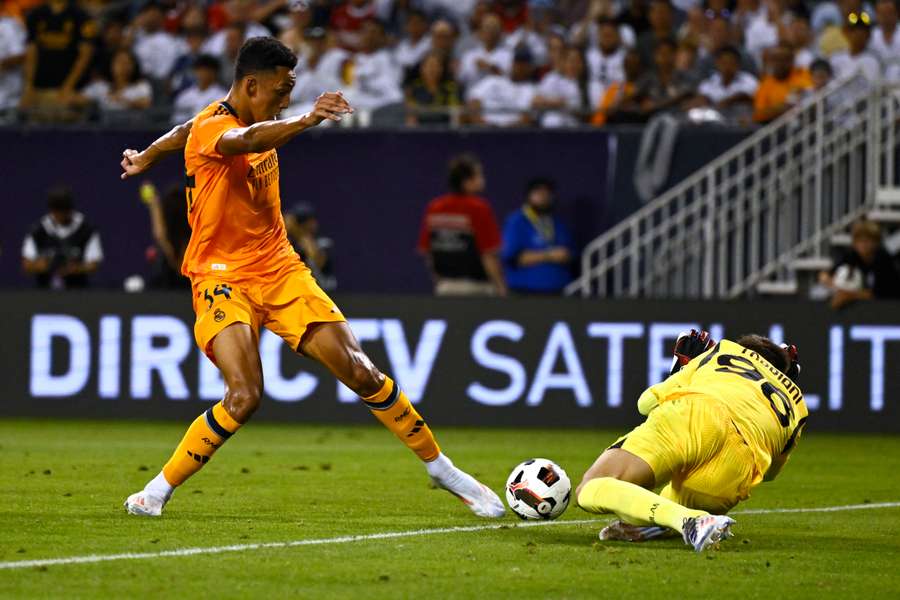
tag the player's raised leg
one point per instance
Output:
(335, 346)
(237, 356)
(617, 483)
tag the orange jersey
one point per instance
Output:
(233, 203)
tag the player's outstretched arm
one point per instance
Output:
(135, 163)
(268, 135)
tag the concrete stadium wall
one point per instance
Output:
(517, 362)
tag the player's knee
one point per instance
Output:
(242, 400)
(362, 376)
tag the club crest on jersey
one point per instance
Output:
(219, 315)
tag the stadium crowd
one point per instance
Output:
(438, 62)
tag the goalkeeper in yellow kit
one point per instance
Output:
(725, 420)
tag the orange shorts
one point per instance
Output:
(286, 303)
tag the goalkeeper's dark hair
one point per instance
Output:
(769, 350)
(262, 54)
(462, 168)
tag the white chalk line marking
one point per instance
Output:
(96, 558)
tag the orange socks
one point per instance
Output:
(394, 410)
(203, 438)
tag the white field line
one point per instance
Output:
(96, 558)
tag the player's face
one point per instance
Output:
(270, 93)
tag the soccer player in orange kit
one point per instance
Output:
(245, 274)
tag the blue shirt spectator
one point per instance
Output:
(537, 246)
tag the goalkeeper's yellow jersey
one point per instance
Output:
(765, 405)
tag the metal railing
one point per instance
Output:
(746, 217)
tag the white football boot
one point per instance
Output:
(145, 505)
(477, 496)
(707, 530)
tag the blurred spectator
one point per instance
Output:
(686, 62)
(414, 45)
(665, 88)
(432, 94)
(112, 38)
(58, 54)
(315, 250)
(126, 90)
(240, 14)
(730, 90)
(443, 42)
(490, 57)
(373, 76)
(764, 33)
(857, 60)
(294, 37)
(800, 37)
(205, 91)
(886, 36)
(537, 246)
(235, 34)
(618, 104)
(606, 61)
(865, 272)
(721, 34)
(501, 100)
(171, 234)
(156, 49)
(782, 87)
(524, 33)
(12, 54)
(563, 95)
(182, 76)
(348, 21)
(661, 17)
(62, 249)
(318, 70)
(820, 73)
(459, 237)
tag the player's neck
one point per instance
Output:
(241, 106)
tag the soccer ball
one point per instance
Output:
(538, 489)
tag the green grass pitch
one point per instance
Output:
(62, 485)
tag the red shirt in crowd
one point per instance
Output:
(456, 230)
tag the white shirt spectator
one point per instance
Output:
(12, 43)
(502, 100)
(715, 90)
(312, 82)
(846, 66)
(408, 54)
(759, 35)
(500, 57)
(887, 52)
(556, 86)
(803, 58)
(101, 92)
(192, 100)
(157, 53)
(606, 69)
(531, 40)
(93, 251)
(215, 45)
(376, 81)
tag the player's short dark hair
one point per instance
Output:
(729, 49)
(540, 182)
(769, 350)
(262, 54)
(60, 198)
(206, 61)
(462, 168)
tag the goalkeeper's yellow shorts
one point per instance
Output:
(695, 450)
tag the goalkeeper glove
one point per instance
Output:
(793, 371)
(689, 346)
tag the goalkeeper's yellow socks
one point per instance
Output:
(391, 406)
(633, 504)
(208, 431)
